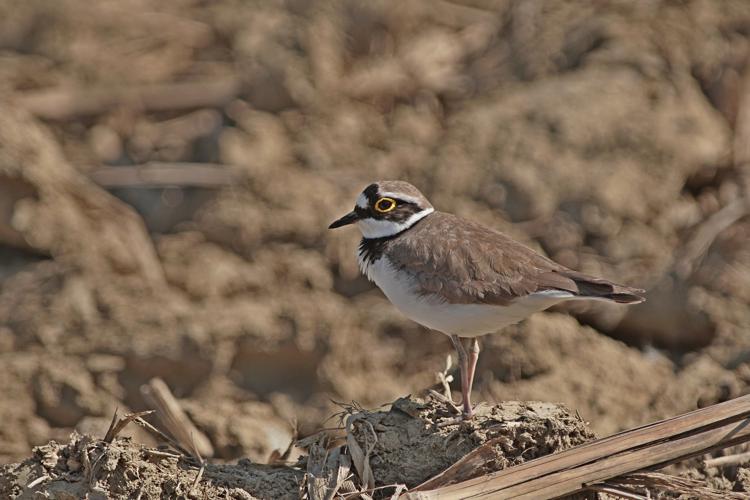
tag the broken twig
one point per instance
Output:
(736, 459)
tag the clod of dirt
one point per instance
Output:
(410, 443)
(124, 469)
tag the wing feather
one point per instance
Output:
(493, 269)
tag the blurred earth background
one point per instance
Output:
(168, 171)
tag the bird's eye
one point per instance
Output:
(384, 205)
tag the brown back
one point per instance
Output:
(465, 262)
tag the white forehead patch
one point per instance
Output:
(362, 201)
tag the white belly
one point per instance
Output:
(464, 320)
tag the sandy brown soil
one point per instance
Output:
(611, 135)
(406, 444)
(124, 469)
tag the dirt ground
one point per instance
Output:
(610, 135)
(406, 444)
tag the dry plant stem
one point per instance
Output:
(160, 454)
(279, 457)
(361, 458)
(451, 421)
(463, 364)
(444, 399)
(116, 426)
(198, 476)
(327, 470)
(397, 492)
(86, 463)
(108, 437)
(739, 458)
(37, 481)
(609, 490)
(156, 432)
(174, 418)
(445, 379)
(62, 104)
(466, 467)
(398, 487)
(675, 485)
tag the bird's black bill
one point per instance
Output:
(349, 218)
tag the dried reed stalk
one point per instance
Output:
(158, 395)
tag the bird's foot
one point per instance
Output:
(468, 409)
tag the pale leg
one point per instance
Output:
(463, 365)
(473, 358)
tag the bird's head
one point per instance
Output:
(386, 208)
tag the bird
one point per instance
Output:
(457, 276)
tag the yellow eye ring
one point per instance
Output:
(384, 205)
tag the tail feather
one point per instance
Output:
(598, 288)
(626, 298)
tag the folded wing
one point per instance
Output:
(470, 263)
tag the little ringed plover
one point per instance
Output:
(457, 276)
